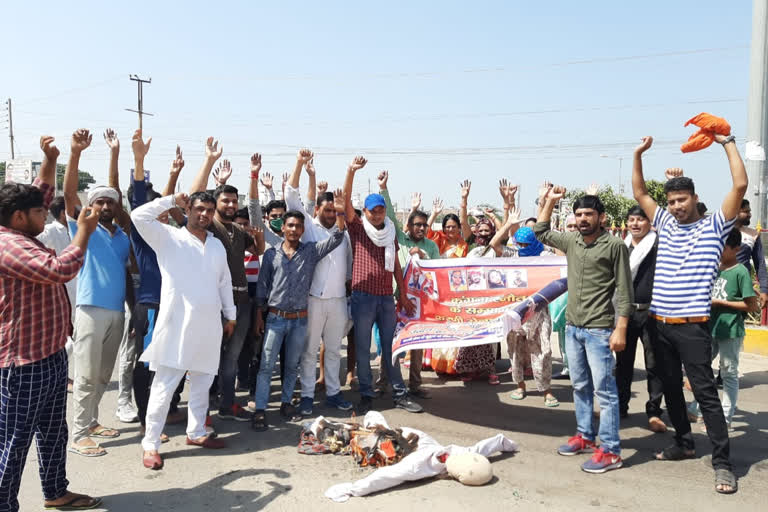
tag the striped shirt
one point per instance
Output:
(687, 263)
(34, 307)
(251, 267)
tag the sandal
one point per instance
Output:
(259, 421)
(517, 394)
(493, 379)
(675, 452)
(87, 451)
(551, 401)
(87, 503)
(467, 377)
(103, 432)
(725, 477)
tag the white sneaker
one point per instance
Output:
(127, 413)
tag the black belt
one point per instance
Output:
(641, 307)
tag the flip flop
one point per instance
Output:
(551, 401)
(517, 394)
(87, 451)
(101, 433)
(725, 477)
(70, 505)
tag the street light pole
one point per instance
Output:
(620, 159)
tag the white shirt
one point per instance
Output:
(56, 236)
(333, 271)
(196, 290)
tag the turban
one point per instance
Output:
(102, 191)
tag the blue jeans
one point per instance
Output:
(367, 309)
(590, 363)
(230, 351)
(729, 370)
(277, 331)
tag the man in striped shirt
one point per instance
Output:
(34, 326)
(686, 266)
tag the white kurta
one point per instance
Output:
(196, 290)
(56, 236)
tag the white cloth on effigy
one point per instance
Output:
(425, 462)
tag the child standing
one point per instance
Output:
(732, 298)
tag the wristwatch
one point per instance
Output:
(730, 138)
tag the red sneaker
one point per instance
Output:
(576, 445)
(601, 462)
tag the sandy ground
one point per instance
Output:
(263, 470)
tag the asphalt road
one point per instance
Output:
(263, 470)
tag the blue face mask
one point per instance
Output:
(532, 249)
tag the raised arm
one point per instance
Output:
(513, 221)
(312, 187)
(732, 202)
(542, 229)
(81, 139)
(541, 198)
(466, 231)
(113, 143)
(48, 167)
(145, 219)
(173, 178)
(212, 153)
(355, 165)
(642, 196)
(437, 207)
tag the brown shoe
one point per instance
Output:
(152, 461)
(175, 417)
(657, 425)
(207, 442)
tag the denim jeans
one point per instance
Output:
(590, 363)
(230, 351)
(279, 331)
(367, 309)
(729, 370)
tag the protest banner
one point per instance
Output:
(461, 302)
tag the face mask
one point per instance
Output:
(276, 225)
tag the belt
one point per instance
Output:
(289, 315)
(683, 320)
(641, 307)
(239, 288)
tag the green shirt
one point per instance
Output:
(426, 245)
(595, 272)
(732, 284)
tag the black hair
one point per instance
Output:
(273, 205)
(202, 196)
(325, 197)
(590, 202)
(636, 211)
(529, 219)
(242, 213)
(57, 206)
(295, 214)
(224, 189)
(734, 239)
(681, 184)
(358, 212)
(15, 197)
(453, 217)
(744, 203)
(701, 208)
(416, 213)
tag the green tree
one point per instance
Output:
(616, 205)
(2, 172)
(656, 190)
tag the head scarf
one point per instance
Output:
(525, 235)
(102, 191)
(482, 241)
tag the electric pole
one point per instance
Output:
(140, 82)
(10, 126)
(757, 110)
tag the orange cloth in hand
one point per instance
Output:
(709, 126)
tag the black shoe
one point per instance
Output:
(288, 412)
(420, 393)
(259, 421)
(365, 405)
(409, 405)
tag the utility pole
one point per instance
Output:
(10, 127)
(140, 111)
(757, 110)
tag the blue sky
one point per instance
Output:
(435, 92)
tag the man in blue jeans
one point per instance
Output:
(375, 263)
(598, 268)
(285, 277)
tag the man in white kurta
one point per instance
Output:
(196, 291)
